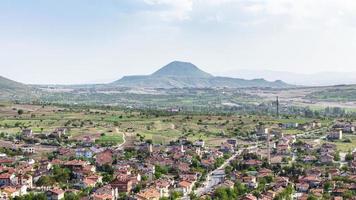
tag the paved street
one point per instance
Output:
(214, 177)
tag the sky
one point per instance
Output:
(95, 41)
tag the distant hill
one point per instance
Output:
(181, 69)
(11, 90)
(183, 74)
(314, 79)
(7, 84)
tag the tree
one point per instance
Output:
(61, 175)
(240, 188)
(32, 196)
(228, 169)
(71, 196)
(175, 195)
(348, 157)
(337, 156)
(20, 111)
(221, 194)
(312, 197)
(45, 181)
(193, 196)
(327, 186)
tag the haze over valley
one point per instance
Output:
(177, 100)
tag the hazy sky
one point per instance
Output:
(81, 41)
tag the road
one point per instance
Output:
(119, 146)
(212, 180)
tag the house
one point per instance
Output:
(190, 177)
(302, 187)
(262, 132)
(338, 191)
(269, 194)
(227, 148)
(163, 187)
(106, 192)
(208, 163)
(336, 135)
(25, 180)
(289, 125)
(104, 158)
(88, 141)
(281, 181)
(318, 192)
(249, 197)
(227, 184)
(185, 187)
(122, 183)
(8, 179)
(283, 148)
(90, 181)
(83, 172)
(55, 194)
(333, 172)
(8, 192)
(264, 172)
(76, 164)
(233, 142)
(28, 149)
(252, 163)
(326, 158)
(84, 153)
(309, 159)
(346, 127)
(87, 183)
(250, 181)
(313, 181)
(6, 161)
(264, 197)
(313, 172)
(102, 197)
(324, 151)
(27, 133)
(148, 194)
(199, 143)
(275, 160)
(147, 170)
(59, 132)
(183, 167)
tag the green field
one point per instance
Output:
(116, 139)
(345, 146)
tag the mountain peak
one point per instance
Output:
(181, 69)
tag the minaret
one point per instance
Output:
(181, 148)
(150, 148)
(277, 105)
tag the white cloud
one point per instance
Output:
(172, 9)
(295, 13)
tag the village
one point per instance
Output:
(269, 164)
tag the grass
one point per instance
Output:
(160, 129)
(116, 139)
(292, 131)
(345, 146)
